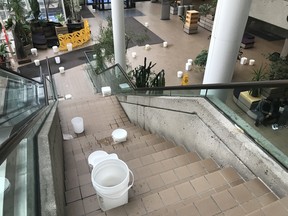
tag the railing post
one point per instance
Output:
(43, 80)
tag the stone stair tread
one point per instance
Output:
(180, 194)
(170, 178)
(238, 200)
(234, 200)
(155, 157)
(276, 208)
(129, 155)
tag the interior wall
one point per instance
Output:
(274, 12)
(51, 166)
(198, 126)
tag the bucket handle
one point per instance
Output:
(131, 184)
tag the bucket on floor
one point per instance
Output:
(69, 46)
(110, 179)
(78, 124)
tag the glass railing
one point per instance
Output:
(233, 100)
(25, 104)
(113, 76)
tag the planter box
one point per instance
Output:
(206, 22)
(173, 10)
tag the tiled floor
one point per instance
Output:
(168, 180)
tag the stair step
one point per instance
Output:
(231, 198)
(277, 208)
(154, 181)
(129, 155)
(182, 194)
(156, 157)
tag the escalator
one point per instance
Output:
(24, 105)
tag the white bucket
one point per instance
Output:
(98, 156)
(78, 124)
(110, 179)
(119, 135)
(57, 60)
(69, 46)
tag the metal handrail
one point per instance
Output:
(9, 145)
(232, 85)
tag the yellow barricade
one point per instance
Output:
(76, 38)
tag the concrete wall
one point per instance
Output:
(270, 11)
(195, 124)
(51, 167)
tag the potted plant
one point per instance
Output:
(4, 55)
(258, 74)
(143, 76)
(278, 67)
(201, 60)
(20, 28)
(3, 52)
(204, 9)
(173, 7)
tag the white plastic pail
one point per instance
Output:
(69, 46)
(110, 179)
(78, 124)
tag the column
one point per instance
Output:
(228, 28)
(117, 8)
(284, 52)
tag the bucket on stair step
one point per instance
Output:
(110, 179)
(78, 124)
(97, 156)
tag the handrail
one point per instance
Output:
(252, 84)
(122, 71)
(9, 145)
(19, 74)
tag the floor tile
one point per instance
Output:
(72, 195)
(169, 177)
(207, 207)
(224, 200)
(75, 208)
(90, 204)
(185, 190)
(169, 196)
(152, 202)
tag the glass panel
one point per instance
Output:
(241, 108)
(237, 104)
(20, 98)
(18, 177)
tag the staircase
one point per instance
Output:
(169, 180)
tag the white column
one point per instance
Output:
(284, 52)
(117, 8)
(228, 28)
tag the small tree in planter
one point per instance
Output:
(20, 28)
(258, 74)
(143, 76)
(278, 67)
(173, 7)
(201, 60)
(3, 54)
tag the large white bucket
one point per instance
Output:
(110, 179)
(78, 124)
